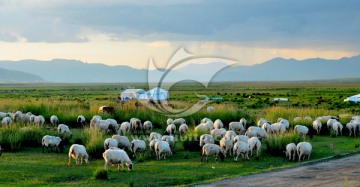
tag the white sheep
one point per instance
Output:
(326, 118)
(242, 138)
(183, 128)
(297, 119)
(330, 122)
(110, 142)
(210, 108)
(351, 127)
(52, 141)
(307, 118)
(278, 127)
(64, 129)
(337, 127)
(170, 129)
(304, 149)
(117, 156)
(256, 132)
(78, 152)
(261, 121)
(241, 148)
(95, 119)
(152, 145)
(6, 121)
(218, 133)
(317, 125)
(204, 120)
(54, 120)
(147, 126)
(135, 125)
(254, 144)
(301, 129)
(218, 124)
(268, 127)
(25, 118)
(169, 121)
(162, 148)
(206, 139)
(226, 144)
(209, 125)
(113, 125)
(123, 142)
(212, 150)
(81, 120)
(102, 125)
(155, 135)
(236, 127)
(179, 121)
(138, 146)
(124, 128)
(169, 139)
(39, 120)
(285, 122)
(230, 134)
(2, 115)
(17, 116)
(291, 150)
(202, 128)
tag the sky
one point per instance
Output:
(126, 32)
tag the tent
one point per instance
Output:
(156, 94)
(131, 93)
(354, 98)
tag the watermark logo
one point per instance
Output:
(181, 67)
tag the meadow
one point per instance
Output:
(23, 162)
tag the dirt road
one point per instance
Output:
(339, 172)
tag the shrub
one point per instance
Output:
(191, 141)
(101, 174)
(276, 144)
(95, 142)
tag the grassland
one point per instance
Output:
(23, 163)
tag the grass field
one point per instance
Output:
(23, 163)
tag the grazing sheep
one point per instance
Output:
(304, 149)
(337, 127)
(113, 125)
(212, 150)
(307, 118)
(210, 108)
(110, 142)
(226, 144)
(202, 128)
(170, 129)
(241, 148)
(204, 120)
(330, 122)
(218, 124)
(17, 116)
(291, 150)
(285, 122)
(230, 134)
(256, 132)
(254, 144)
(209, 125)
(242, 138)
(206, 139)
(147, 126)
(2, 115)
(243, 122)
(135, 125)
(278, 127)
(351, 127)
(52, 141)
(25, 118)
(78, 152)
(179, 121)
(169, 121)
(102, 125)
(301, 129)
(124, 128)
(94, 120)
(297, 119)
(80, 120)
(39, 120)
(162, 147)
(183, 129)
(117, 156)
(268, 127)
(155, 135)
(54, 120)
(169, 139)
(326, 118)
(317, 125)
(218, 133)
(152, 145)
(261, 122)
(138, 146)
(123, 142)
(236, 127)
(64, 129)
(6, 121)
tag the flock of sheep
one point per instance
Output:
(237, 140)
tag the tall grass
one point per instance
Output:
(94, 142)
(276, 144)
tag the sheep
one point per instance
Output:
(285, 122)
(54, 120)
(209, 125)
(317, 125)
(147, 126)
(94, 120)
(113, 125)
(267, 127)
(155, 135)
(202, 128)
(80, 120)
(218, 124)
(162, 147)
(10, 114)
(25, 118)
(78, 152)
(212, 149)
(64, 129)
(254, 144)
(226, 144)
(242, 138)
(183, 128)
(304, 149)
(169, 121)
(135, 125)
(330, 122)
(169, 139)
(297, 119)
(6, 121)
(236, 127)
(243, 122)
(230, 134)
(301, 129)
(117, 156)
(179, 121)
(204, 120)
(102, 125)
(124, 128)
(278, 127)
(152, 145)
(256, 131)
(307, 118)
(52, 141)
(261, 122)
(337, 127)
(123, 142)
(110, 142)
(326, 118)
(206, 139)
(241, 148)
(39, 120)
(218, 133)
(17, 116)
(291, 150)
(210, 108)
(170, 129)
(138, 146)
(2, 115)
(351, 126)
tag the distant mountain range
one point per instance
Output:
(277, 69)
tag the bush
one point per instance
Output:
(101, 174)
(191, 141)
(276, 144)
(95, 142)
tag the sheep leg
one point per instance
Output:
(294, 156)
(106, 165)
(300, 156)
(69, 161)
(309, 156)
